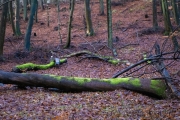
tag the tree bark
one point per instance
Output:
(3, 28)
(109, 24)
(167, 21)
(152, 87)
(58, 12)
(101, 7)
(69, 25)
(89, 29)
(41, 4)
(30, 24)
(17, 18)
(11, 17)
(25, 10)
(154, 6)
(175, 11)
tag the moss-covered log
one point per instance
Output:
(32, 66)
(155, 87)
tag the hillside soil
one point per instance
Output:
(132, 39)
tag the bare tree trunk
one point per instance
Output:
(3, 28)
(69, 26)
(167, 22)
(41, 4)
(58, 6)
(101, 7)
(30, 24)
(11, 17)
(17, 18)
(109, 25)
(25, 10)
(175, 11)
(154, 6)
(89, 30)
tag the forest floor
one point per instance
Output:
(132, 39)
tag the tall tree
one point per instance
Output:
(58, 10)
(178, 4)
(11, 17)
(36, 14)
(17, 25)
(101, 7)
(25, 10)
(30, 24)
(109, 25)
(41, 4)
(175, 11)
(69, 25)
(89, 29)
(3, 27)
(154, 6)
(167, 22)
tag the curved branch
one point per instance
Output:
(94, 55)
(32, 66)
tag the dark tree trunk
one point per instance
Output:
(3, 27)
(17, 18)
(11, 17)
(101, 7)
(109, 24)
(175, 11)
(154, 6)
(167, 22)
(25, 10)
(69, 26)
(30, 24)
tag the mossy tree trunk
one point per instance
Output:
(89, 28)
(30, 24)
(155, 87)
(3, 27)
(69, 24)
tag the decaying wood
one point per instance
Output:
(94, 55)
(153, 87)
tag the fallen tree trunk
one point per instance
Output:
(154, 87)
